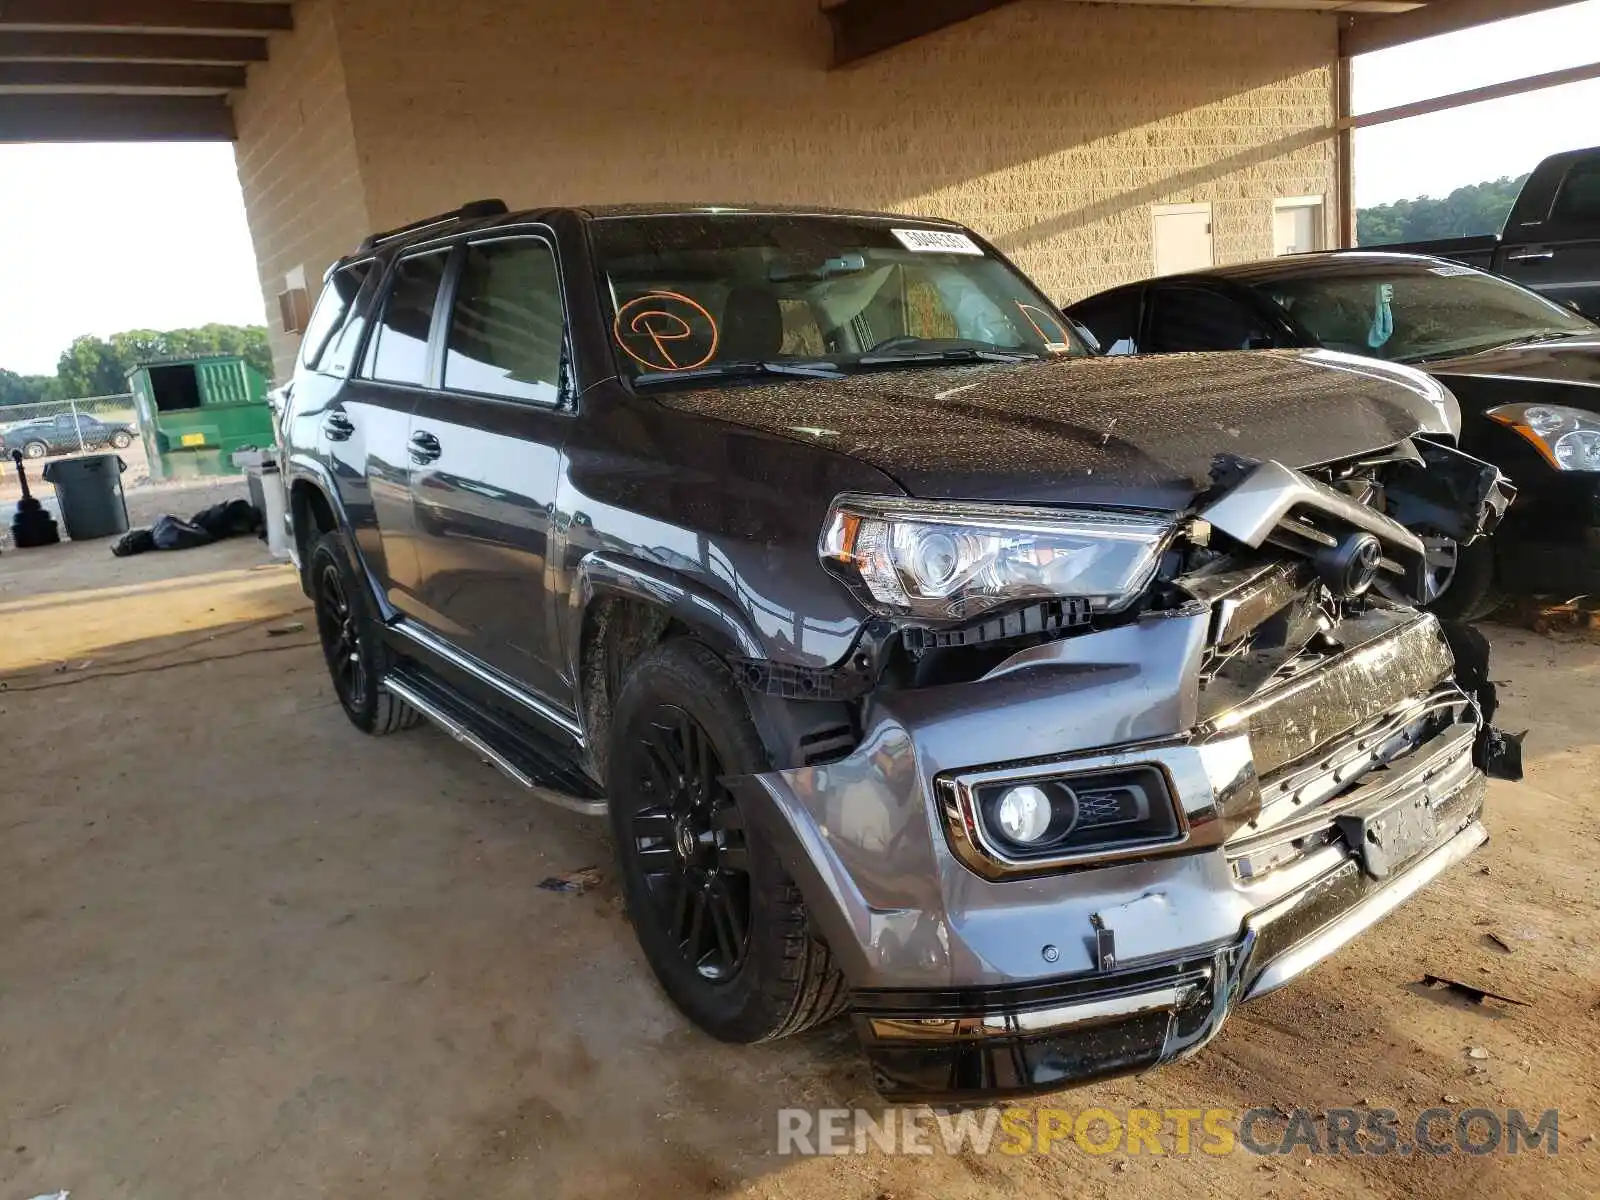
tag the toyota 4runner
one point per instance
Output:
(1037, 708)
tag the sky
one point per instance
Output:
(104, 238)
(99, 239)
(1434, 154)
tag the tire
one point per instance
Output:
(720, 921)
(356, 654)
(35, 449)
(1469, 591)
(120, 440)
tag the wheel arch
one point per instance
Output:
(314, 510)
(623, 606)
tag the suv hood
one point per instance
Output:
(1140, 432)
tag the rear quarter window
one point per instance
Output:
(333, 309)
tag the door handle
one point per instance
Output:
(1531, 256)
(425, 448)
(338, 427)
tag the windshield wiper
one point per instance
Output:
(955, 355)
(1531, 339)
(740, 370)
(1544, 335)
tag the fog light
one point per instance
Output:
(1023, 814)
(1077, 813)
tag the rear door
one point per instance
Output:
(1562, 256)
(366, 425)
(485, 461)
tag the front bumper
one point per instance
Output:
(966, 986)
(978, 1043)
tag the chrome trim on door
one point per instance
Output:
(488, 676)
(403, 691)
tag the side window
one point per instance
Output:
(399, 351)
(1113, 319)
(1578, 201)
(506, 329)
(332, 307)
(1193, 318)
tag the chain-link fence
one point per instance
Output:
(48, 430)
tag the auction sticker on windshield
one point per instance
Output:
(937, 241)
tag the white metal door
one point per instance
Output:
(1297, 225)
(1182, 234)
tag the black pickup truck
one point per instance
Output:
(1551, 240)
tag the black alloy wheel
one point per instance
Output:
(352, 641)
(341, 640)
(722, 924)
(688, 839)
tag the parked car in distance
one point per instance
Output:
(1551, 239)
(64, 433)
(1033, 706)
(1526, 372)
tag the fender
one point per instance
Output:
(791, 729)
(602, 574)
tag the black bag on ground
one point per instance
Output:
(135, 541)
(169, 533)
(232, 518)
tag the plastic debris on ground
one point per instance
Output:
(577, 882)
(1471, 991)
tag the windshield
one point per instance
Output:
(731, 293)
(1409, 313)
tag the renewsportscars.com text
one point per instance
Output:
(1168, 1131)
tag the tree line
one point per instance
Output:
(1478, 208)
(95, 366)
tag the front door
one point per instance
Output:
(485, 456)
(1565, 265)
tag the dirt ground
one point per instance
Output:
(247, 952)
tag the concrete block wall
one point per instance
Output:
(298, 164)
(1050, 126)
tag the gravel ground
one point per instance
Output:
(248, 952)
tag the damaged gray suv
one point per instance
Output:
(1035, 708)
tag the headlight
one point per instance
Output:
(1567, 438)
(947, 562)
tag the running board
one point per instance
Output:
(519, 752)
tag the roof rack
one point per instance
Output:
(472, 210)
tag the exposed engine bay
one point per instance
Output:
(1308, 574)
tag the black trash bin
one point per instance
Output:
(89, 495)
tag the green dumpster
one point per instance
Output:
(194, 413)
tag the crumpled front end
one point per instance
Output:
(1268, 757)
